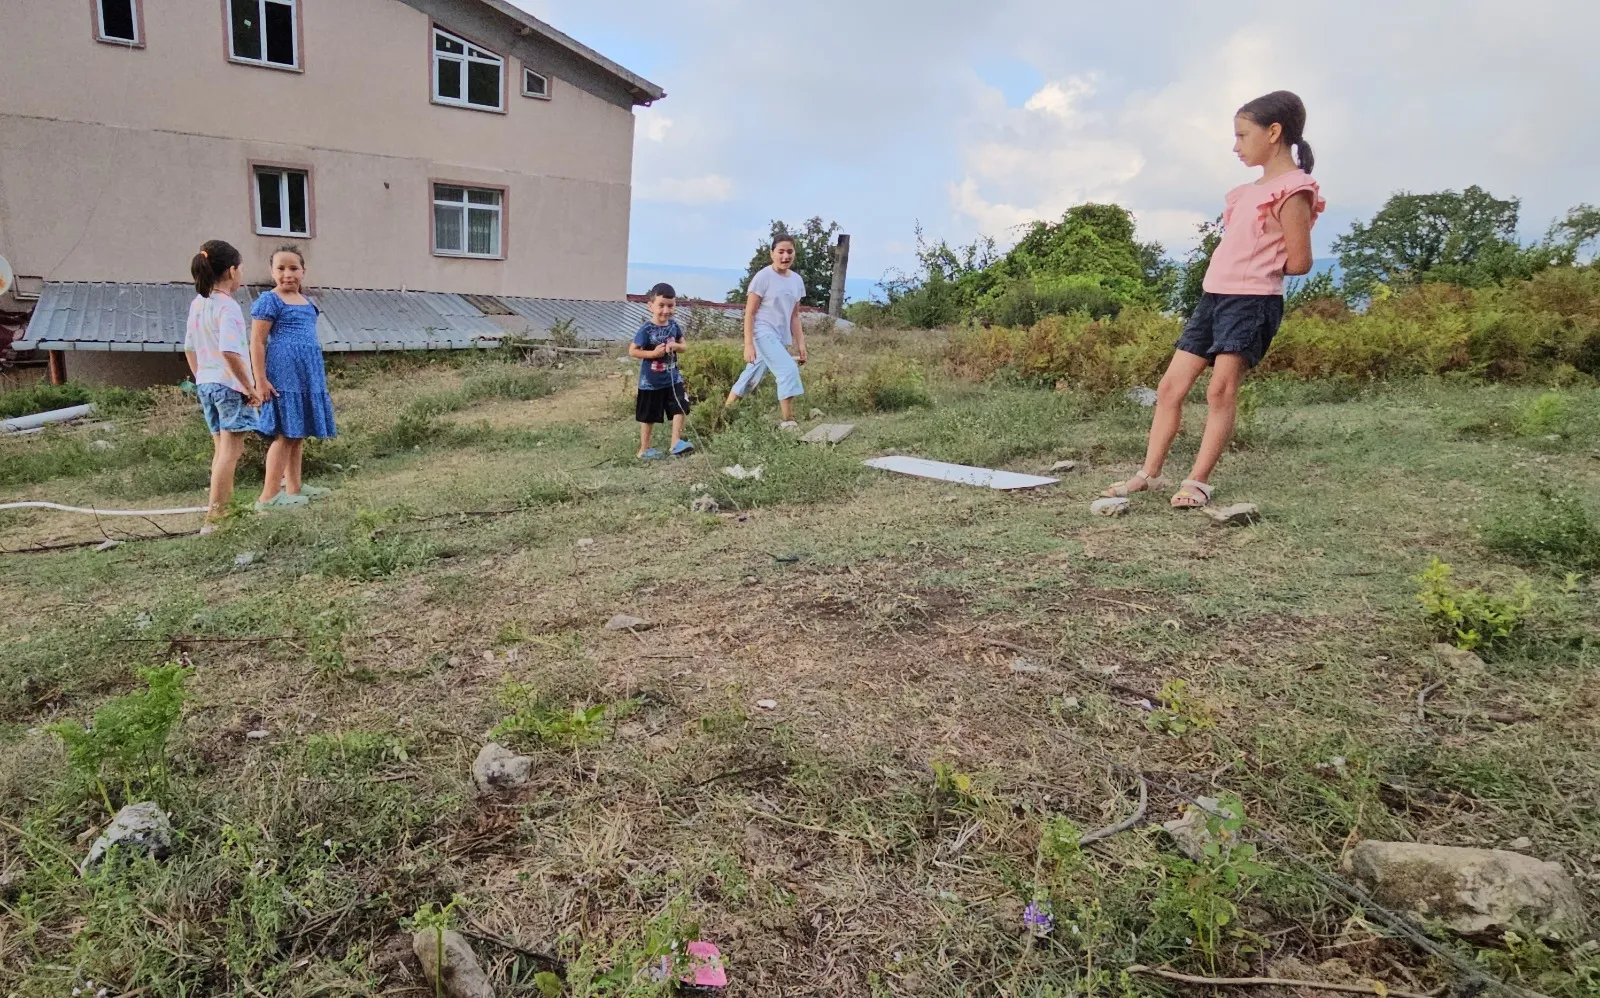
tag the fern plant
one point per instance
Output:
(128, 738)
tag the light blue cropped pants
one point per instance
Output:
(770, 356)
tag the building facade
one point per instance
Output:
(457, 146)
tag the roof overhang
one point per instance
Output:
(644, 92)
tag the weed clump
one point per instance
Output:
(1554, 530)
(127, 739)
(1470, 618)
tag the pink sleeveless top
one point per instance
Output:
(1251, 257)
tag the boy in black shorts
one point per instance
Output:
(661, 389)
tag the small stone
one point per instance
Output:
(107, 545)
(1240, 514)
(1459, 660)
(704, 504)
(817, 414)
(1143, 397)
(1474, 892)
(585, 542)
(1071, 703)
(260, 734)
(1025, 666)
(498, 768)
(767, 704)
(140, 827)
(102, 445)
(488, 655)
(1190, 832)
(751, 580)
(450, 965)
(244, 559)
(1552, 438)
(623, 622)
(1520, 844)
(1109, 507)
(739, 471)
(454, 662)
(143, 621)
(1063, 466)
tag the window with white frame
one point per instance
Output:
(117, 21)
(464, 74)
(467, 221)
(265, 32)
(535, 85)
(283, 202)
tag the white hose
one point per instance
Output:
(104, 512)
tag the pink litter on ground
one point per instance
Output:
(705, 968)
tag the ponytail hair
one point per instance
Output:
(1288, 112)
(214, 260)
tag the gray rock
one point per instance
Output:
(1025, 666)
(1063, 466)
(1109, 507)
(1520, 844)
(1472, 891)
(1459, 660)
(258, 735)
(244, 559)
(623, 622)
(817, 414)
(585, 542)
(1240, 514)
(450, 965)
(704, 504)
(140, 827)
(828, 433)
(102, 445)
(1142, 396)
(1190, 832)
(498, 768)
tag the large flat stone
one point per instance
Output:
(828, 433)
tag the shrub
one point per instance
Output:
(43, 397)
(1025, 301)
(127, 739)
(890, 384)
(1470, 618)
(1553, 530)
(710, 369)
(1542, 416)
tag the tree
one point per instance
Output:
(1191, 280)
(813, 259)
(1465, 238)
(1578, 229)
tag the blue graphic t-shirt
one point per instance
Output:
(663, 371)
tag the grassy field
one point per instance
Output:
(964, 681)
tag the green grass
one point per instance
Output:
(910, 792)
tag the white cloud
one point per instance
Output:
(710, 188)
(1060, 100)
(653, 125)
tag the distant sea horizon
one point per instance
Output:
(714, 283)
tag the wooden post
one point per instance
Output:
(58, 367)
(841, 264)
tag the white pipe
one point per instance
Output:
(104, 512)
(41, 418)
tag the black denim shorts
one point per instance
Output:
(657, 405)
(1241, 324)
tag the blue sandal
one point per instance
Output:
(650, 455)
(681, 448)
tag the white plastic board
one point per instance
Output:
(959, 473)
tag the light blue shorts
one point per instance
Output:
(225, 409)
(771, 356)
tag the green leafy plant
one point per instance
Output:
(564, 333)
(532, 719)
(1180, 712)
(1470, 618)
(1546, 415)
(127, 739)
(370, 552)
(354, 750)
(1528, 960)
(1201, 897)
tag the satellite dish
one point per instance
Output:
(7, 278)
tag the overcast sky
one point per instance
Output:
(974, 117)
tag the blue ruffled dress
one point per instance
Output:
(303, 407)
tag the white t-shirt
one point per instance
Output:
(780, 294)
(216, 327)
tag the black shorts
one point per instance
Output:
(657, 405)
(1241, 324)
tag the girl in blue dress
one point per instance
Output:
(287, 360)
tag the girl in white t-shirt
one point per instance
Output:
(771, 323)
(217, 344)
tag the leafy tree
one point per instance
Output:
(813, 259)
(945, 285)
(1572, 234)
(1461, 237)
(1190, 285)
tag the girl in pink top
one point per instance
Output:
(1266, 234)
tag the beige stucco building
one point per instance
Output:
(420, 145)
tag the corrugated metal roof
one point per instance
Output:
(151, 317)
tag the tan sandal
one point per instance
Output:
(1121, 490)
(1192, 495)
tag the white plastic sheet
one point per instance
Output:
(961, 474)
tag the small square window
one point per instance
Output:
(535, 85)
(465, 75)
(283, 202)
(467, 221)
(265, 32)
(117, 22)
